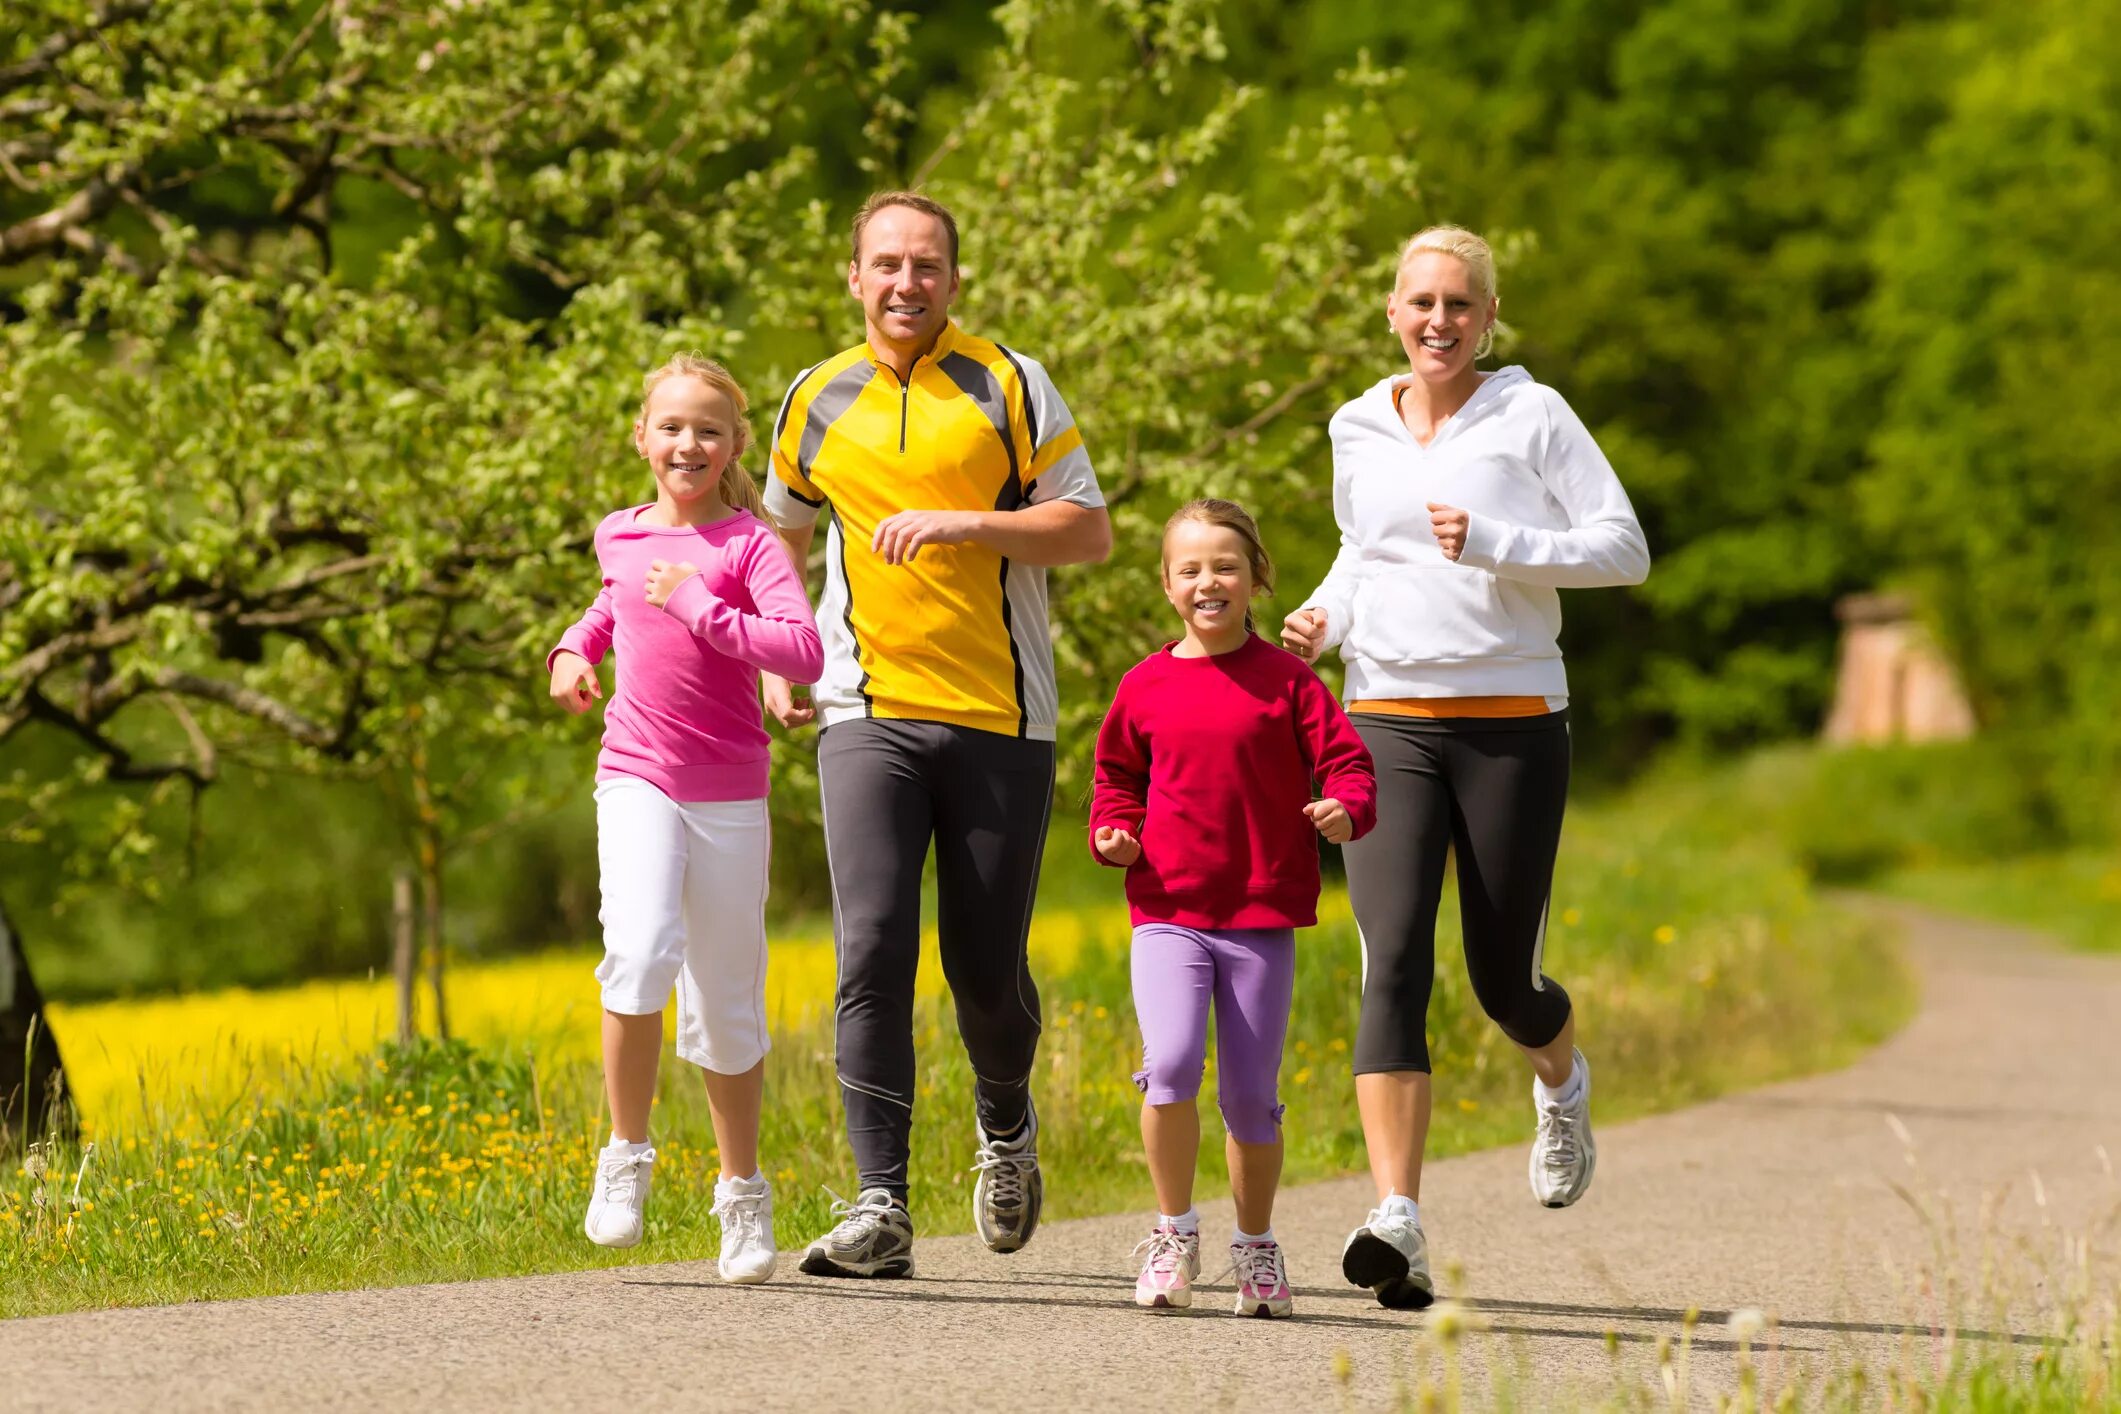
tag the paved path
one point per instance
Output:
(1857, 1206)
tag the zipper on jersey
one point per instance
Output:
(904, 390)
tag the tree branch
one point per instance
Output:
(37, 234)
(249, 702)
(47, 55)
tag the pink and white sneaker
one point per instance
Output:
(1262, 1279)
(1170, 1266)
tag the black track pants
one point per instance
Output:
(888, 788)
(1495, 789)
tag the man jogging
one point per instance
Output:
(955, 475)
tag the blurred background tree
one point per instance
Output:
(322, 325)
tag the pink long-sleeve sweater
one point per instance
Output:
(684, 715)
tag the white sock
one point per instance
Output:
(1401, 1206)
(754, 1184)
(1187, 1222)
(626, 1146)
(1238, 1234)
(1571, 1089)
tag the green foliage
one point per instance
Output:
(265, 506)
(1999, 302)
(318, 338)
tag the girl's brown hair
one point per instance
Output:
(736, 487)
(1227, 515)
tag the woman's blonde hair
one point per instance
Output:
(1226, 515)
(1470, 251)
(736, 487)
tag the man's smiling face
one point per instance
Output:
(905, 279)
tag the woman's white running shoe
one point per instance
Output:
(1390, 1255)
(1563, 1154)
(616, 1206)
(745, 1208)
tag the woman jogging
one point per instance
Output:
(1464, 500)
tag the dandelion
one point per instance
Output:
(1746, 1323)
(1665, 934)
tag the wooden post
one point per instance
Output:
(1893, 684)
(431, 908)
(404, 955)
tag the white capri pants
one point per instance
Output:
(684, 889)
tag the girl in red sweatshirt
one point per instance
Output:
(1204, 772)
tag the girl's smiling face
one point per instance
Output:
(1208, 579)
(688, 433)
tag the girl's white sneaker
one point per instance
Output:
(616, 1207)
(745, 1207)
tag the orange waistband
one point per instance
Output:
(1452, 706)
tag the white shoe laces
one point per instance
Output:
(740, 1214)
(619, 1171)
(1257, 1265)
(1165, 1249)
(1559, 1144)
(859, 1218)
(1005, 1169)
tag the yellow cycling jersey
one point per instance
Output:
(958, 633)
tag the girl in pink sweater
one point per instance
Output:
(699, 598)
(1203, 795)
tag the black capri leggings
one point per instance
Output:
(1495, 788)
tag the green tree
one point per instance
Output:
(1996, 476)
(323, 332)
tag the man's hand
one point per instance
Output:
(1449, 524)
(1117, 846)
(664, 578)
(1332, 820)
(574, 682)
(781, 704)
(902, 534)
(1304, 633)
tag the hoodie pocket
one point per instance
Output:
(1428, 613)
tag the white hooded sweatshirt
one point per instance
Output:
(1545, 512)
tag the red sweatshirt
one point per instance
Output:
(1209, 763)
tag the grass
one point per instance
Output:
(1966, 827)
(231, 1161)
(2074, 894)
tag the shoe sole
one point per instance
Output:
(1264, 1310)
(1590, 1170)
(633, 1241)
(817, 1264)
(1375, 1263)
(747, 1278)
(1166, 1301)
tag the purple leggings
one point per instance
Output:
(1250, 975)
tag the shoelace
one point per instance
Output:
(740, 1215)
(1557, 1130)
(1166, 1249)
(1006, 1175)
(620, 1171)
(1257, 1265)
(857, 1219)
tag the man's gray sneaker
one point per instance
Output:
(1389, 1255)
(1009, 1192)
(874, 1238)
(1563, 1155)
